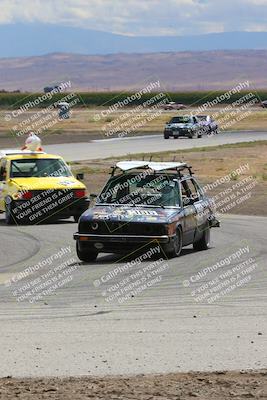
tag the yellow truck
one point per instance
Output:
(36, 187)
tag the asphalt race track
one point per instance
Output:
(75, 331)
(81, 329)
(104, 148)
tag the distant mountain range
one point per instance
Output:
(207, 70)
(32, 39)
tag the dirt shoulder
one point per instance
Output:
(213, 166)
(182, 386)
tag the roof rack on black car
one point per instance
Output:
(126, 166)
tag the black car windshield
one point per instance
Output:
(180, 120)
(141, 189)
(39, 167)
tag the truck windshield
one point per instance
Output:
(37, 168)
(141, 189)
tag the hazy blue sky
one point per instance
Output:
(142, 17)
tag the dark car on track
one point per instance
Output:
(147, 202)
(184, 125)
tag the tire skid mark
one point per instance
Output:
(12, 233)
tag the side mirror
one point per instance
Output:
(80, 176)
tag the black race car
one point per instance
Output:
(145, 202)
(184, 125)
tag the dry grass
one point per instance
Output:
(83, 121)
(209, 165)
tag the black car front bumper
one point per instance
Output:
(92, 238)
(179, 132)
(116, 243)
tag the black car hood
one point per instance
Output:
(130, 214)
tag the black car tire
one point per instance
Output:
(87, 255)
(192, 135)
(174, 248)
(9, 217)
(175, 137)
(204, 242)
(199, 135)
(166, 135)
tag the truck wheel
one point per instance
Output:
(204, 242)
(87, 255)
(199, 135)
(192, 135)
(174, 248)
(10, 218)
(166, 136)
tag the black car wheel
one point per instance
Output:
(204, 242)
(199, 135)
(192, 135)
(166, 135)
(174, 248)
(90, 254)
(10, 218)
